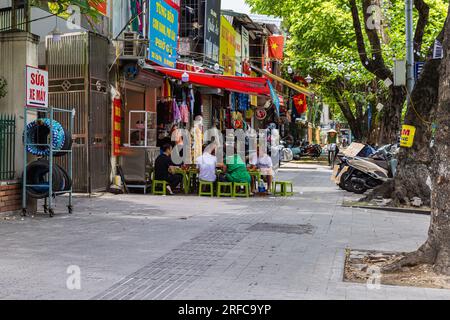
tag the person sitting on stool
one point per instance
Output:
(164, 169)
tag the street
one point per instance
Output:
(186, 247)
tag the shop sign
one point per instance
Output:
(261, 114)
(238, 53)
(407, 136)
(245, 54)
(212, 30)
(163, 33)
(227, 57)
(36, 88)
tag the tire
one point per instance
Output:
(357, 188)
(36, 172)
(38, 132)
(345, 185)
(66, 146)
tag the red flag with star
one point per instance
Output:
(300, 103)
(276, 46)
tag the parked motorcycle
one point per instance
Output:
(359, 174)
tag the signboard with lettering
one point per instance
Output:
(212, 30)
(238, 44)
(407, 137)
(227, 57)
(36, 88)
(163, 33)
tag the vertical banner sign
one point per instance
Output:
(163, 33)
(212, 30)
(245, 54)
(407, 138)
(36, 88)
(117, 128)
(227, 47)
(238, 54)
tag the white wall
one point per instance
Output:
(17, 50)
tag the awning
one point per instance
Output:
(289, 84)
(247, 85)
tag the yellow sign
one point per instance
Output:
(407, 139)
(227, 57)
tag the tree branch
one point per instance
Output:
(376, 64)
(424, 13)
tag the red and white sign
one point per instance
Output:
(37, 88)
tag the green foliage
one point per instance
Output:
(322, 43)
(60, 6)
(3, 85)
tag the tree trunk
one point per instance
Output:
(436, 250)
(413, 174)
(413, 171)
(391, 116)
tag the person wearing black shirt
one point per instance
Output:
(164, 169)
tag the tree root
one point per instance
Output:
(426, 254)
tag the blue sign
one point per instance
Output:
(418, 67)
(163, 34)
(275, 98)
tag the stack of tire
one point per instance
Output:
(37, 137)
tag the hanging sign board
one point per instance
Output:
(36, 88)
(407, 138)
(261, 114)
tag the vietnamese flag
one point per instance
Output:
(276, 47)
(300, 103)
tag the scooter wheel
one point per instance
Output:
(358, 188)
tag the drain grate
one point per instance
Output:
(284, 228)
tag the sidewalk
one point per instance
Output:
(186, 247)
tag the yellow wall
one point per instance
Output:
(227, 55)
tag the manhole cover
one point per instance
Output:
(283, 228)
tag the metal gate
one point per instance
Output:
(78, 77)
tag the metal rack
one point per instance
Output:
(49, 203)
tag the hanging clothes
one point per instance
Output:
(184, 112)
(176, 111)
(244, 102)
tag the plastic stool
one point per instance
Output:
(210, 192)
(227, 185)
(159, 183)
(239, 185)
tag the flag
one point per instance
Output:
(275, 98)
(300, 103)
(276, 47)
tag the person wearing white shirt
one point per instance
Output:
(207, 164)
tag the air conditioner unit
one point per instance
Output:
(132, 47)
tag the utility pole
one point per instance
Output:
(409, 47)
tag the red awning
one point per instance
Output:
(247, 85)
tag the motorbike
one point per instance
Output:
(312, 150)
(359, 174)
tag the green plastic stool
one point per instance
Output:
(283, 188)
(210, 192)
(227, 185)
(159, 183)
(239, 185)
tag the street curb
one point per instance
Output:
(351, 204)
